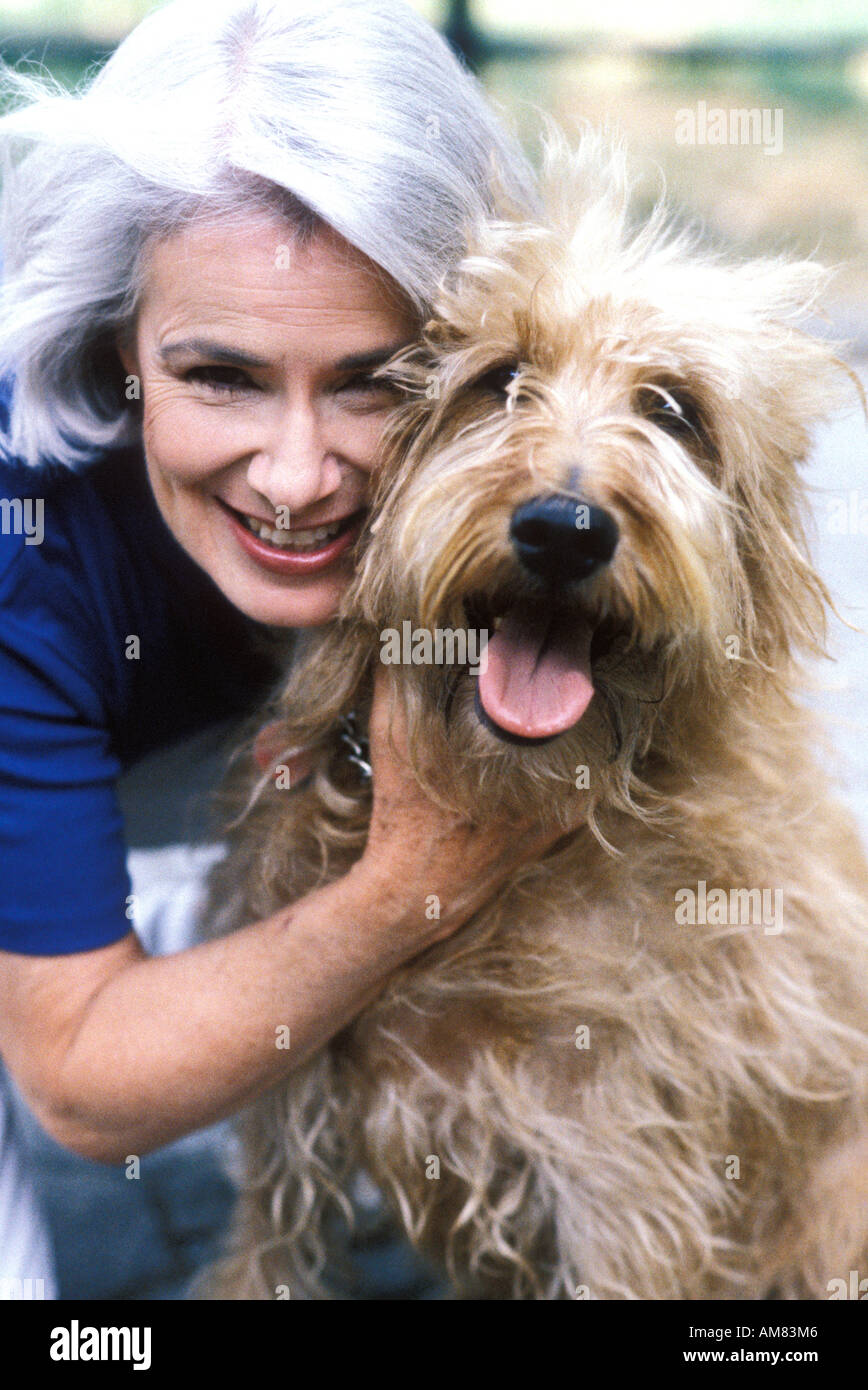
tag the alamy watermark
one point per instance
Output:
(439, 646)
(14, 1289)
(853, 1287)
(730, 125)
(77, 1343)
(740, 907)
(23, 516)
(847, 513)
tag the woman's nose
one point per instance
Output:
(296, 464)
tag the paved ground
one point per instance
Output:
(122, 1239)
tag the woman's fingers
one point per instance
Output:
(420, 850)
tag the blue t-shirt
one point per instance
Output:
(81, 699)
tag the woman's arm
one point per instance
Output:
(118, 1052)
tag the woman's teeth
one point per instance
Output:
(293, 540)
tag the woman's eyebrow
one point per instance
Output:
(366, 361)
(232, 357)
(215, 352)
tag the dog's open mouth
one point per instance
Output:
(537, 680)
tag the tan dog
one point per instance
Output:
(642, 1070)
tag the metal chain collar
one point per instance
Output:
(357, 749)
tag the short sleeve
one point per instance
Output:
(86, 564)
(63, 876)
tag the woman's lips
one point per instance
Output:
(279, 561)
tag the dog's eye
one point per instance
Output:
(497, 380)
(671, 410)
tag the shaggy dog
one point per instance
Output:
(641, 1071)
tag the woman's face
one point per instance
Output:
(261, 422)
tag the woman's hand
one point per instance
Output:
(416, 851)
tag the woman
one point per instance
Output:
(206, 253)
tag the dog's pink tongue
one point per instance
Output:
(537, 677)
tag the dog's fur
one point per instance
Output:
(711, 1139)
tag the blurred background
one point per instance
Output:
(791, 175)
(634, 66)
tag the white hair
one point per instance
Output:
(350, 112)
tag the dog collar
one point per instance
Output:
(356, 745)
(269, 745)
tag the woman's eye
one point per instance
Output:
(370, 387)
(220, 378)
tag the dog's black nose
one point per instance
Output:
(561, 538)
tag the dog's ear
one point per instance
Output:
(779, 382)
(585, 185)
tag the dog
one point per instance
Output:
(641, 1070)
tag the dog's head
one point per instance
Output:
(595, 464)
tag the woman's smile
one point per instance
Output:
(261, 414)
(295, 549)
